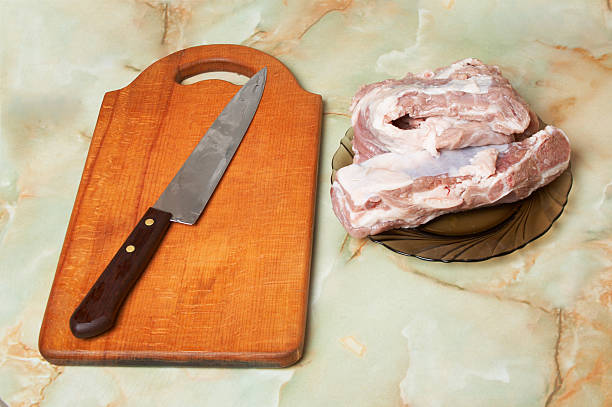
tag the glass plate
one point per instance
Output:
(477, 234)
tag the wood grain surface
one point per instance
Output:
(233, 288)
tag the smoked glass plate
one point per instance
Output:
(477, 234)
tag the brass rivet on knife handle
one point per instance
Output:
(98, 310)
(149, 222)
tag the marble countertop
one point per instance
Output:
(532, 328)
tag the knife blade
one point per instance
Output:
(183, 201)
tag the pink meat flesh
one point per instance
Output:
(394, 190)
(465, 104)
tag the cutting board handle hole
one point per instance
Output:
(232, 77)
(222, 69)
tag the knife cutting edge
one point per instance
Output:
(182, 201)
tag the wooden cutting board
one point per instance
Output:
(233, 288)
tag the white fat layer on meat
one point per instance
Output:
(476, 84)
(390, 95)
(425, 136)
(383, 104)
(482, 164)
(362, 189)
(546, 175)
(445, 73)
(383, 101)
(436, 198)
(390, 171)
(372, 216)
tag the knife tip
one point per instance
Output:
(263, 74)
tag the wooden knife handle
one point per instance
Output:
(98, 310)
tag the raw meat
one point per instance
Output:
(465, 104)
(394, 190)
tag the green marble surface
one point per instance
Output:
(532, 328)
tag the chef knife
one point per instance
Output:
(182, 201)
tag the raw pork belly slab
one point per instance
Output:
(394, 190)
(465, 104)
